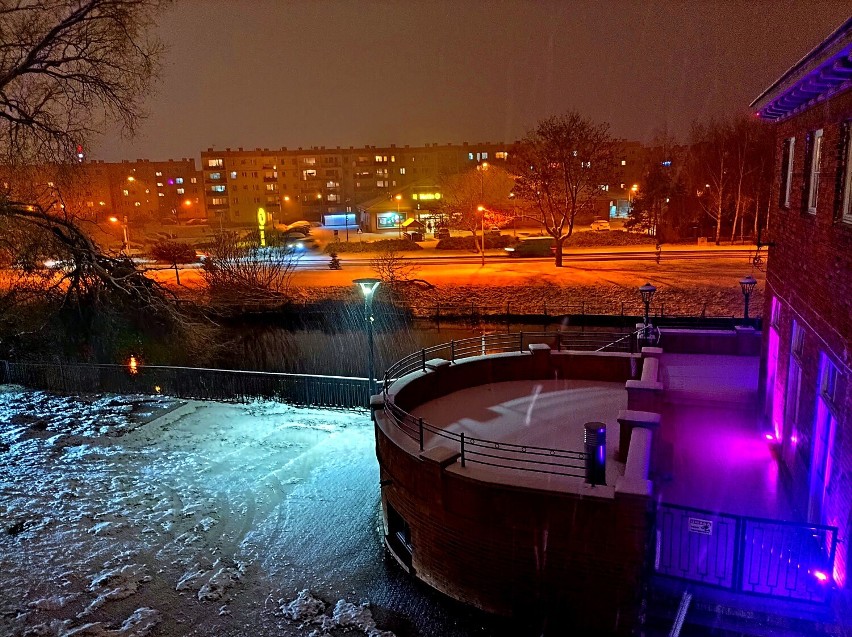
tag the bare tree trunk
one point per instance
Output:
(756, 213)
(177, 273)
(558, 253)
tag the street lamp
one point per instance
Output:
(123, 228)
(647, 291)
(747, 284)
(398, 218)
(481, 168)
(481, 210)
(368, 288)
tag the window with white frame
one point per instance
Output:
(846, 175)
(787, 171)
(814, 166)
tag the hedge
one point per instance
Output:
(398, 245)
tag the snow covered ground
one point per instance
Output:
(134, 516)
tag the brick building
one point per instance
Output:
(807, 350)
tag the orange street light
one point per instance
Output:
(131, 178)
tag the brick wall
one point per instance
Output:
(810, 272)
(573, 559)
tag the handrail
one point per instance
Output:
(481, 450)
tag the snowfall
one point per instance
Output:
(130, 516)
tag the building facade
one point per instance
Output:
(807, 354)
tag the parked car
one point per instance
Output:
(442, 233)
(196, 222)
(600, 224)
(532, 247)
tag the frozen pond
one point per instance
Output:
(134, 516)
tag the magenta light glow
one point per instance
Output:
(770, 437)
(822, 577)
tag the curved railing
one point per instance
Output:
(492, 453)
(594, 341)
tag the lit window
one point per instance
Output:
(623, 162)
(846, 175)
(193, 180)
(309, 174)
(179, 180)
(219, 188)
(501, 154)
(219, 201)
(310, 161)
(126, 192)
(215, 163)
(179, 191)
(158, 174)
(233, 174)
(787, 171)
(159, 184)
(470, 156)
(161, 194)
(137, 204)
(270, 186)
(813, 170)
(402, 171)
(393, 158)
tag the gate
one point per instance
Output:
(743, 554)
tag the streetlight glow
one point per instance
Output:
(368, 288)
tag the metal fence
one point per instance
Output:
(493, 453)
(586, 340)
(191, 382)
(773, 558)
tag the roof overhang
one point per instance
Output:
(824, 72)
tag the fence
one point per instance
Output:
(744, 554)
(490, 452)
(191, 382)
(586, 340)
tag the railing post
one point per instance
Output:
(739, 555)
(423, 359)
(385, 383)
(462, 449)
(420, 427)
(453, 351)
(520, 341)
(483, 344)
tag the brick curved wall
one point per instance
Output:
(575, 558)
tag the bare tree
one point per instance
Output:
(67, 68)
(560, 168)
(237, 270)
(478, 198)
(173, 253)
(727, 167)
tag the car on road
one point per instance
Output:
(532, 247)
(442, 233)
(600, 224)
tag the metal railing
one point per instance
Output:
(512, 342)
(487, 452)
(191, 382)
(758, 556)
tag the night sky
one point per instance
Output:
(258, 73)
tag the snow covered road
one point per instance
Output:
(135, 516)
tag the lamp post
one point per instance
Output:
(123, 230)
(398, 218)
(647, 291)
(482, 167)
(368, 288)
(481, 210)
(747, 284)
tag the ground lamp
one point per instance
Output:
(369, 287)
(747, 284)
(647, 291)
(123, 226)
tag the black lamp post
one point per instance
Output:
(368, 288)
(747, 284)
(647, 291)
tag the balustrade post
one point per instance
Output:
(483, 344)
(520, 341)
(462, 449)
(453, 351)
(423, 360)
(420, 427)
